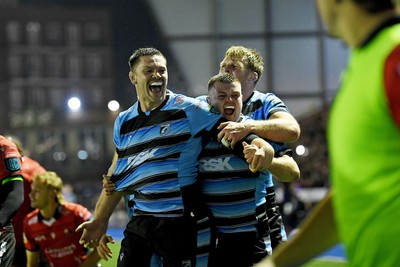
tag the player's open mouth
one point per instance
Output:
(229, 110)
(155, 87)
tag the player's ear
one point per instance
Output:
(208, 100)
(253, 77)
(132, 77)
(54, 194)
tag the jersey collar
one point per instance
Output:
(384, 25)
(56, 214)
(140, 111)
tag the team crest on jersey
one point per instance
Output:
(53, 235)
(12, 164)
(164, 129)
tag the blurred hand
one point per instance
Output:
(92, 232)
(103, 250)
(258, 154)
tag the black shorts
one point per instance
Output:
(275, 220)
(237, 249)
(174, 239)
(7, 248)
(20, 256)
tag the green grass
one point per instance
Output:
(314, 263)
(113, 261)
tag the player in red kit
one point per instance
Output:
(50, 228)
(29, 168)
(11, 197)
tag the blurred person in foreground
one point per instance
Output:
(29, 168)
(11, 197)
(50, 228)
(364, 143)
(397, 4)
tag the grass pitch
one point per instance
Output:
(115, 250)
(321, 262)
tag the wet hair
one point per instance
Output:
(53, 181)
(375, 6)
(250, 57)
(142, 52)
(222, 78)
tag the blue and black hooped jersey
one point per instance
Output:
(158, 152)
(260, 106)
(231, 190)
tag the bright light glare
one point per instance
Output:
(59, 156)
(74, 103)
(301, 150)
(113, 105)
(83, 154)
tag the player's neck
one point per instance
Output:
(49, 211)
(355, 35)
(247, 92)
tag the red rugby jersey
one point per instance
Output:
(57, 238)
(10, 168)
(29, 169)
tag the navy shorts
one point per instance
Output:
(237, 249)
(172, 238)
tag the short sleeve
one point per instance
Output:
(392, 84)
(29, 242)
(201, 116)
(10, 161)
(83, 214)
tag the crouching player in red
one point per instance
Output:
(50, 228)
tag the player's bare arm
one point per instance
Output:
(280, 127)
(285, 169)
